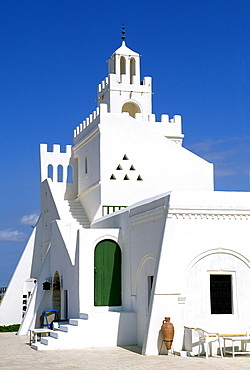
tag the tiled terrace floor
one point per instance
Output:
(17, 354)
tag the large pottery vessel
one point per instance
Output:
(167, 330)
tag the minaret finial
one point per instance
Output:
(123, 33)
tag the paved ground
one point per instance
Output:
(16, 353)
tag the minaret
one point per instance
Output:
(122, 90)
(122, 153)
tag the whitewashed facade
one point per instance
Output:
(127, 183)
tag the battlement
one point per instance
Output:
(55, 164)
(92, 117)
(121, 83)
(164, 118)
(170, 128)
(103, 85)
(56, 149)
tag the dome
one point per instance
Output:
(124, 50)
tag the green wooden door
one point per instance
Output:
(107, 272)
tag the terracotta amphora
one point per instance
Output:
(167, 330)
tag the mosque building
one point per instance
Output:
(131, 231)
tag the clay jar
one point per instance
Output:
(167, 330)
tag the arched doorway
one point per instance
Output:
(131, 108)
(107, 270)
(56, 297)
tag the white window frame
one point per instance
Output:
(234, 291)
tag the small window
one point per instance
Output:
(150, 285)
(221, 294)
(70, 174)
(50, 172)
(86, 165)
(60, 173)
(112, 177)
(126, 177)
(119, 167)
(132, 168)
(125, 157)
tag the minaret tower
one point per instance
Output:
(122, 90)
(122, 153)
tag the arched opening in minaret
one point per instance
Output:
(123, 66)
(132, 69)
(131, 108)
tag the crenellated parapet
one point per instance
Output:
(168, 127)
(103, 86)
(55, 164)
(120, 84)
(94, 116)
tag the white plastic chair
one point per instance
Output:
(206, 339)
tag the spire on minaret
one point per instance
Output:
(123, 37)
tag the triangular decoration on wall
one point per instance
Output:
(125, 169)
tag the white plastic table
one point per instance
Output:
(242, 339)
(34, 332)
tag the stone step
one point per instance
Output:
(119, 329)
(41, 347)
(78, 213)
(73, 322)
(49, 341)
(84, 316)
(64, 328)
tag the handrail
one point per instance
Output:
(106, 210)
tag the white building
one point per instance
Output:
(131, 230)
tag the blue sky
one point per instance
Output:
(53, 55)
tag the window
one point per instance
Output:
(123, 65)
(50, 172)
(70, 174)
(150, 285)
(86, 165)
(221, 294)
(60, 173)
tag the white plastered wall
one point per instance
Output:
(199, 224)
(161, 164)
(11, 306)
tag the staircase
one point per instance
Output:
(107, 329)
(78, 213)
(66, 336)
